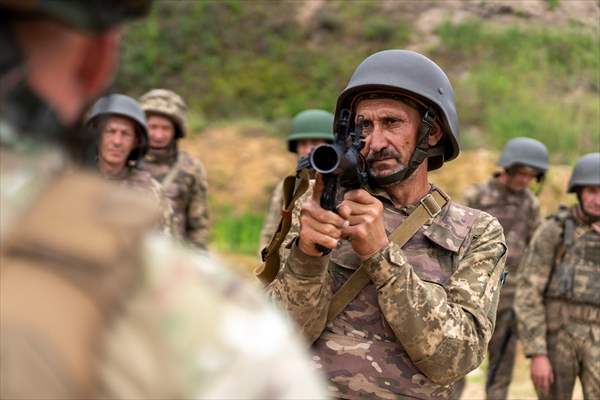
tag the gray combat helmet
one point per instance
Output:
(310, 124)
(415, 76)
(525, 151)
(585, 173)
(125, 106)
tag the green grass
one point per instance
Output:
(236, 233)
(536, 82)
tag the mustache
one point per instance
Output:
(384, 154)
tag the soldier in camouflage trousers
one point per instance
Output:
(183, 179)
(310, 128)
(558, 294)
(94, 303)
(507, 197)
(426, 313)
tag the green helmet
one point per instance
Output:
(310, 124)
(168, 103)
(525, 151)
(88, 15)
(585, 173)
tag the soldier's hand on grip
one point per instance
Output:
(317, 225)
(365, 216)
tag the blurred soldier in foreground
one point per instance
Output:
(423, 313)
(558, 294)
(91, 304)
(182, 178)
(310, 128)
(507, 197)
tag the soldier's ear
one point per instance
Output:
(98, 60)
(435, 135)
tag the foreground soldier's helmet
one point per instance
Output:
(169, 104)
(585, 173)
(310, 124)
(414, 76)
(88, 15)
(525, 151)
(125, 106)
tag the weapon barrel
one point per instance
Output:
(326, 158)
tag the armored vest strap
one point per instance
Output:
(430, 206)
(65, 269)
(293, 188)
(166, 182)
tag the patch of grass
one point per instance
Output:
(522, 82)
(236, 233)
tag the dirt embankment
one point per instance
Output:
(243, 167)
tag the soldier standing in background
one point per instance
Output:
(182, 178)
(310, 128)
(92, 304)
(507, 197)
(558, 293)
(424, 306)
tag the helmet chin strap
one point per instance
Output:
(422, 151)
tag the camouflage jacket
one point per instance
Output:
(142, 181)
(519, 215)
(186, 189)
(558, 285)
(424, 320)
(175, 324)
(273, 216)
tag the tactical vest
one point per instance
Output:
(68, 266)
(575, 276)
(433, 252)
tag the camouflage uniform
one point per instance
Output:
(273, 216)
(423, 322)
(179, 320)
(518, 213)
(187, 191)
(558, 303)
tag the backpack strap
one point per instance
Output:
(430, 206)
(166, 182)
(293, 188)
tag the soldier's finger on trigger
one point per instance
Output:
(325, 229)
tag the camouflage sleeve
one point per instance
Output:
(197, 213)
(166, 220)
(533, 277)
(444, 329)
(471, 196)
(303, 290)
(273, 216)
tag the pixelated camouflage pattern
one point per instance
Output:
(189, 329)
(142, 181)
(169, 104)
(541, 309)
(574, 351)
(187, 193)
(423, 322)
(272, 217)
(519, 215)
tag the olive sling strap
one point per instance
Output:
(430, 206)
(293, 188)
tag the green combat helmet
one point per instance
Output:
(121, 105)
(585, 173)
(527, 152)
(169, 104)
(412, 77)
(310, 124)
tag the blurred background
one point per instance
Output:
(246, 67)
